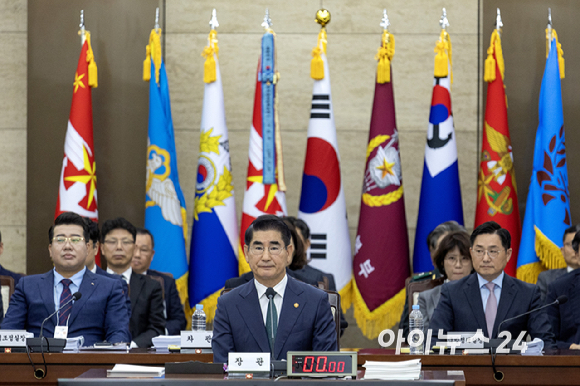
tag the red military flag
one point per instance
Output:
(381, 260)
(497, 198)
(78, 180)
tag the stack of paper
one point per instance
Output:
(534, 347)
(162, 342)
(405, 370)
(127, 371)
(74, 343)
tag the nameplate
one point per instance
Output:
(248, 362)
(14, 338)
(196, 339)
(462, 340)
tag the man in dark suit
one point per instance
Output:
(571, 257)
(565, 318)
(117, 246)
(486, 298)
(94, 236)
(100, 314)
(144, 252)
(6, 272)
(273, 313)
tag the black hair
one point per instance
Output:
(268, 222)
(451, 241)
(69, 218)
(573, 229)
(143, 231)
(576, 242)
(118, 223)
(299, 258)
(493, 228)
(94, 232)
(300, 225)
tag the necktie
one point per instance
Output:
(64, 313)
(271, 318)
(490, 308)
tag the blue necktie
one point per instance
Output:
(64, 313)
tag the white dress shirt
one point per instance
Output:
(278, 299)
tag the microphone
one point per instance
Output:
(498, 375)
(41, 373)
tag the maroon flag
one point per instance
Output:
(381, 261)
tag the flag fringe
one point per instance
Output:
(93, 74)
(490, 62)
(209, 67)
(561, 63)
(529, 272)
(371, 323)
(549, 253)
(443, 59)
(385, 56)
(210, 305)
(181, 284)
(317, 64)
(153, 50)
(346, 296)
(243, 265)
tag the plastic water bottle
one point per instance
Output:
(416, 323)
(198, 318)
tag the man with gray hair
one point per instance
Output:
(6, 272)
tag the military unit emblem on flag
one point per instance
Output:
(165, 214)
(497, 198)
(78, 183)
(265, 187)
(322, 202)
(381, 260)
(440, 199)
(214, 234)
(548, 204)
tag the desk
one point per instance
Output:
(558, 367)
(99, 377)
(563, 369)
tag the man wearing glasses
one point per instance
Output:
(99, 314)
(274, 312)
(486, 298)
(117, 246)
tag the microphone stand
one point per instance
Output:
(499, 375)
(40, 373)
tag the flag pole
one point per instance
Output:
(498, 22)
(82, 28)
(549, 27)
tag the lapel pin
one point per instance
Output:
(92, 283)
(295, 305)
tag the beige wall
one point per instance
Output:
(353, 36)
(13, 133)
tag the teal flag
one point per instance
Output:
(548, 204)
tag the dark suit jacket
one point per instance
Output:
(147, 320)
(460, 309)
(249, 276)
(546, 277)
(428, 301)
(565, 318)
(305, 322)
(101, 271)
(99, 314)
(175, 314)
(16, 277)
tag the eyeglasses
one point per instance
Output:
(114, 242)
(272, 249)
(493, 253)
(457, 259)
(61, 240)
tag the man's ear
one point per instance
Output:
(246, 250)
(290, 250)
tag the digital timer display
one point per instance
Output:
(338, 364)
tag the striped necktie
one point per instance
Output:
(66, 295)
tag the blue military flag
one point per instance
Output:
(214, 235)
(548, 204)
(440, 199)
(165, 215)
